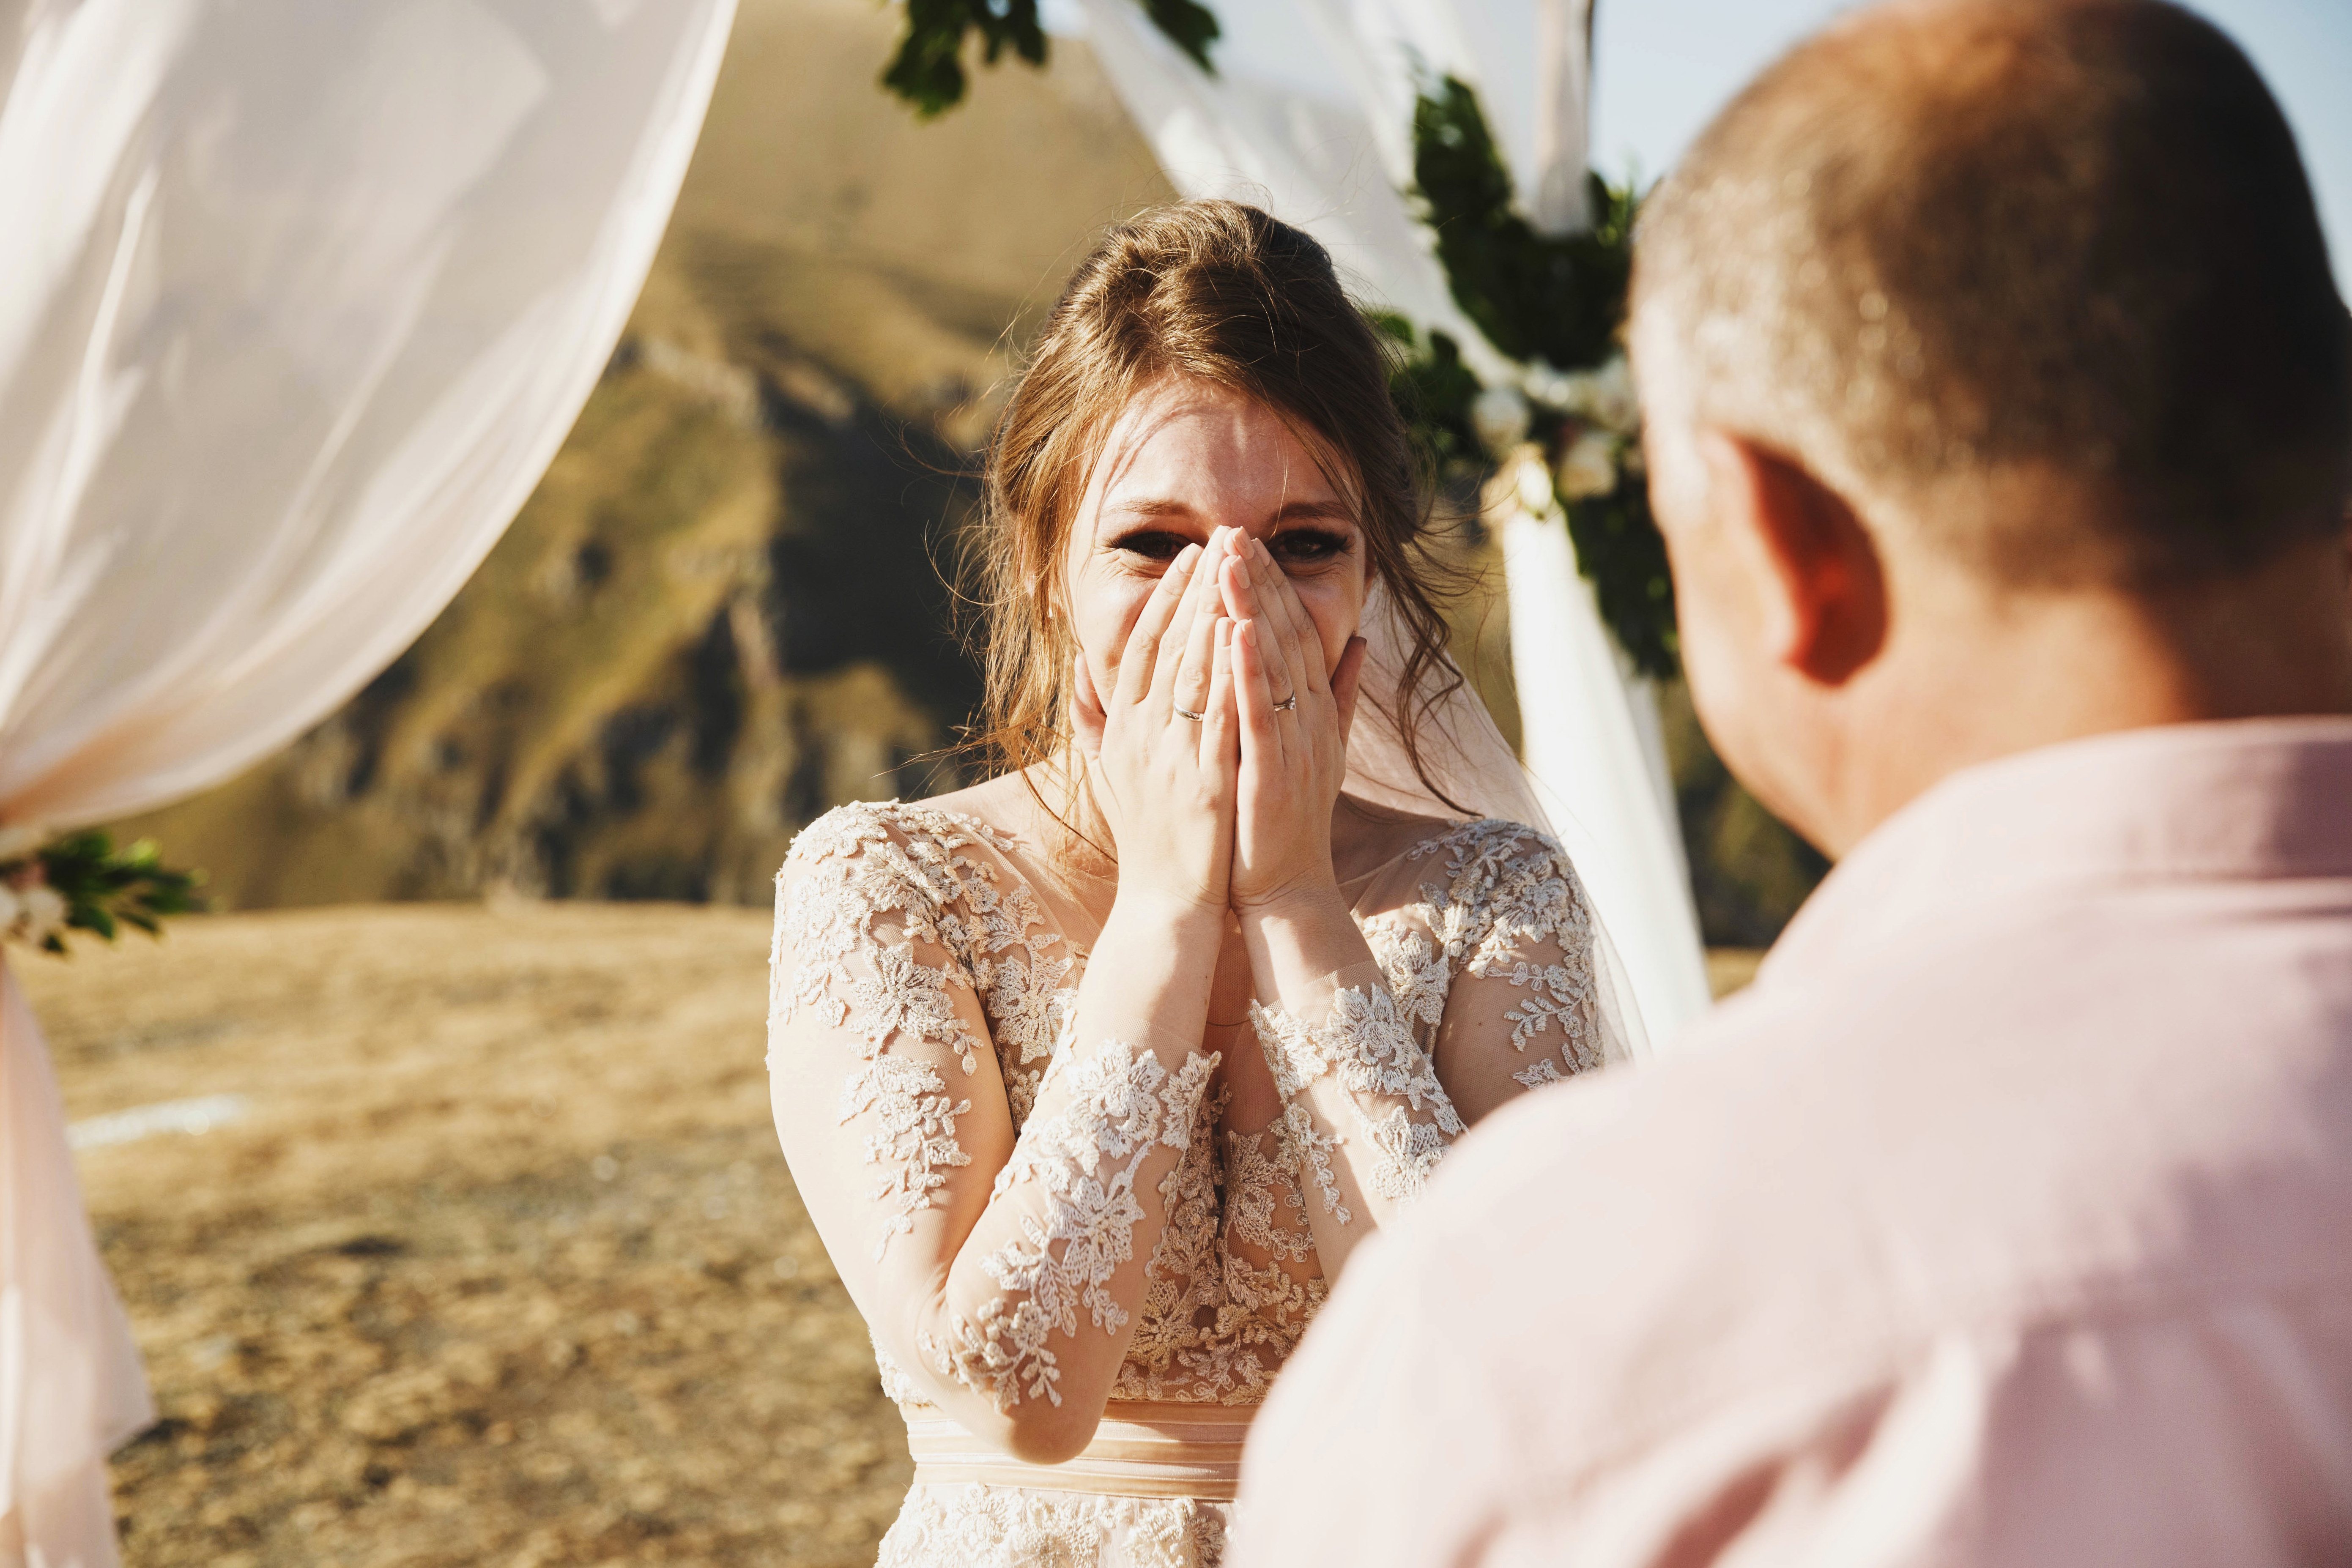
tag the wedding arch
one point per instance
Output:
(300, 302)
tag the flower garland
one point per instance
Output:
(1545, 301)
(81, 882)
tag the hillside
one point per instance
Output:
(723, 610)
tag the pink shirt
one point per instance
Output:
(2007, 1219)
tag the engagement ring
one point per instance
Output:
(1287, 703)
(1196, 718)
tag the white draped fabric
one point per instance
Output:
(1309, 114)
(300, 300)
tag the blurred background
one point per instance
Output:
(466, 1240)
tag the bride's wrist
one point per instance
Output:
(1300, 935)
(1185, 919)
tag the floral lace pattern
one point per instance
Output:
(870, 894)
(1122, 1102)
(1509, 889)
(974, 1525)
(914, 937)
(1364, 1043)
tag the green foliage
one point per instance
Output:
(1435, 390)
(928, 70)
(1191, 27)
(1618, 548)
(1556, 300)
(101, 889)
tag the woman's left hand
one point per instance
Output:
(1295, 715)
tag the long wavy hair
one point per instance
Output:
(1215, 292)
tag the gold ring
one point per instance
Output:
(1196, 718)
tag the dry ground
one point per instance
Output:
(500, 1266)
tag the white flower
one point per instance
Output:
(1615, 401)
(1549, 384)
(1499, 415)
(1534, 483)
(45, 912)
(1605, 396)
(1588, 467)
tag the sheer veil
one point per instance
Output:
(1466, 758)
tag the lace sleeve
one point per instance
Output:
(1363, 1114)
(992, 1256)
(1479, 991)
(1504, 983)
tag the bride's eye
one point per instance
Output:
(1159, 544)
(1305, 548)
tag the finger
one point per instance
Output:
(1280, 612)
(1196, 667)
(1310, 636)
(1219, 740)
(1086, 709)
(1237, 581)
(1261, 731)
(1347, 682)
(1199, 592)
(1140, 660)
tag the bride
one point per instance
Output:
(1095, 1074)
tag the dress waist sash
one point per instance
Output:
(1144, 1449)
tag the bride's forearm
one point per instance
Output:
(1149, 973)
(1298, 946)
(1364, 1118)
(1036, 1311)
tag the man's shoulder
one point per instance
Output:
(1821, 1174)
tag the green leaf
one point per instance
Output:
(928, 70)
(1191, 27)
(105, 888)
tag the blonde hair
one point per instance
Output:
(1218, 292)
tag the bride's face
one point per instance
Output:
(1187, 456)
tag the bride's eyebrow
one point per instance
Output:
(1149, 506)
(1330, 510)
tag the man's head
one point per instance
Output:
(1964, 310)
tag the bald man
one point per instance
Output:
(1998, 401)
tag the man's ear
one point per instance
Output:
(1823, 586)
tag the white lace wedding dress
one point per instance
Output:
(924, 962)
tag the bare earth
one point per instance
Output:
(501, 1265)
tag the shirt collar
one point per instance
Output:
(2245, 799)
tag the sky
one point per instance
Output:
(1661, 67)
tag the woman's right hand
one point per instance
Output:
(1164, 782)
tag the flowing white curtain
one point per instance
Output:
(1310, 114)
(296, 300)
